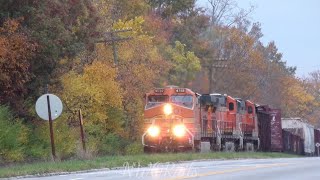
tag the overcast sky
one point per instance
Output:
(295, 27)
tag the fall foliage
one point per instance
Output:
(66, 45)
(16, 51)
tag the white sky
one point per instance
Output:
(295, 27)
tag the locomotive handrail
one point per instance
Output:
(218, 127)
(192, 136)
(240, 130)
(143, 135)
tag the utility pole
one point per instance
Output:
(218, 63)
(112, 37)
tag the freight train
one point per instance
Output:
(178, 119)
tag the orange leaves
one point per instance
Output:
(160, 28)
(10, 26)
(15, 52)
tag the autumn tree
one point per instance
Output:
(312, 86)
(141, 69)
(188, 28)
(227, 13)
(224, 14)
(168, 8)
(60, 28)
(97, 93)
(296, 100)
(16, 50)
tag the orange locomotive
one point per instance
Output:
(177, 118)
(170, 116)
(228, 123)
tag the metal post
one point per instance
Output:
(51, 129)
(82, 131)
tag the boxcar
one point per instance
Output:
(270, 130)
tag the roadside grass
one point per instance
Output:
(41, 168)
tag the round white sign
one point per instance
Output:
(55, 106)
(318, 144)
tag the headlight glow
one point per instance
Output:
(179, 130)
(167, 109)
(154, 131)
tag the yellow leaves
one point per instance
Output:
(134, 24)
(103, 7)
(63, 61)
(94, 91)
(298, 102)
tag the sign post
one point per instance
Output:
(49, 107)
(53, 149)
(318, 147)
(82, 131)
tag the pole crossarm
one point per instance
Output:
(112, 38)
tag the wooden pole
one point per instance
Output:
(82, 131)
(53, 150)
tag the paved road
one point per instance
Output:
(250, 169)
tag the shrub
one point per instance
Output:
(13, 136)
(134, 148)
(113, 144)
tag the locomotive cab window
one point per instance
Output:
(250, 110)
(205, 100)
(183, 100)
(219, 100)
(240, 106)
(154, 100)
(231, 106)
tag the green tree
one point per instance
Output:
(185, 65)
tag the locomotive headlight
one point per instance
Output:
(154, 131)
(167, 109)
(179, 130)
